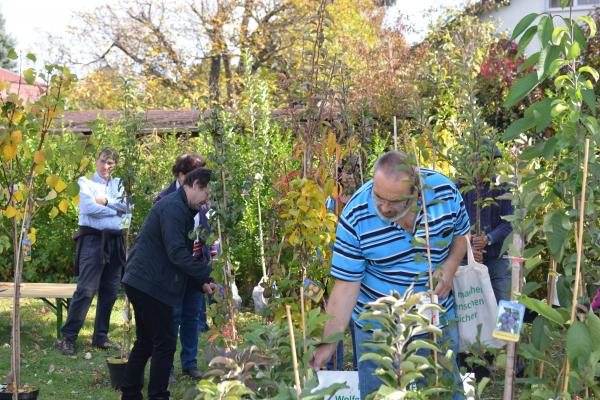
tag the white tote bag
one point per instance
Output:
(475, 303)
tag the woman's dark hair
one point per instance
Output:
(200, 175)
(187, 162)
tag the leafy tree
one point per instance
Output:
(7, 42)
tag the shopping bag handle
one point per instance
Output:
(470, 256)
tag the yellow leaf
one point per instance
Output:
(17, 117)
(10, 212)
(32, 235)
(63, 206)
(18, 196)
(60, 186)
(16, 137)
(76, 199)
(53, 212)
(9, 152)
(83, 164)
(52, 180)
(51, 195)
(39, 169)
(39, 157)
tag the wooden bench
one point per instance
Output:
(60, 292)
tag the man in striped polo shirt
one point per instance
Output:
(376, 253)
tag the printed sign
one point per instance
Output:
(26, 249)
(509, 321)
(350, 378)
(312, 290)
(125, 222)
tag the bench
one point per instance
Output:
(61, 292)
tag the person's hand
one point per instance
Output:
(209, 288)
(479, 242)
(101, 201)
(444, 285)
(478, 255)
(321, 355)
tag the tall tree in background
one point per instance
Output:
(6, 42)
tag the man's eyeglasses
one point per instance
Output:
(397, 204)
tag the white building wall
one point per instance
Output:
(507, 17)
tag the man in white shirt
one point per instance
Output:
(100, 252)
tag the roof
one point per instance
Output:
(152, 120)
(29, 93)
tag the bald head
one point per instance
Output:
(395, 165)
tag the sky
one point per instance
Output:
(30, 21)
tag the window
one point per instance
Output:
(576, 3)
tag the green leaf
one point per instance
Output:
(543, 309)
(589, 70)
(593, 324)
(539, 338)
(12, 54)
(72, 189)
(547, 57)
(520, 89)
(574, 51)
(545, 29)
(550, 147)
(29, 75)
(579, 342)
(481, 386)
(530, 287)
(523, 24)
(557, 228)
(591, 124)
(541, 113)
(31, 56)
(589, 97)
(557, 34)
(579, 36)
(530, 61)
(590, 22)
(526, 39)
(532, 152)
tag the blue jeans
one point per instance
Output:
(368, 382)
(500, 277)
(186, 317)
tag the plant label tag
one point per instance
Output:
(509, 321)
(431, 314)
(197, 248)
(313, 291)
(125, 222)
(26, 249)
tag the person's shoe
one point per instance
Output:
(192, 373)
(107, 345)
(172, 379)
(66, 347)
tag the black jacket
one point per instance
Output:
(161, 261)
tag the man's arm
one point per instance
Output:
(173, 231)
(446, 271)
(88, 204)
(116, 199)
(341, 303)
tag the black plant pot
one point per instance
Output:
(31, 395)
(116, 370)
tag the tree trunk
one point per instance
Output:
(215, 73)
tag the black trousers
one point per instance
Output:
(155, 338)
(94, 276)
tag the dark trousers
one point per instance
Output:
(186, 317)
(155, 337)
(95, 277)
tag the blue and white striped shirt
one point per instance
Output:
(95, 215)
(385, 257)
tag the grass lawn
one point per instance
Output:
(60, 377)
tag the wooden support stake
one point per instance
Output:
(395, 135)
(579, 253)
(428, 244)
(302, 310)
(260, 236)
(549, 299)
(294, 355)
